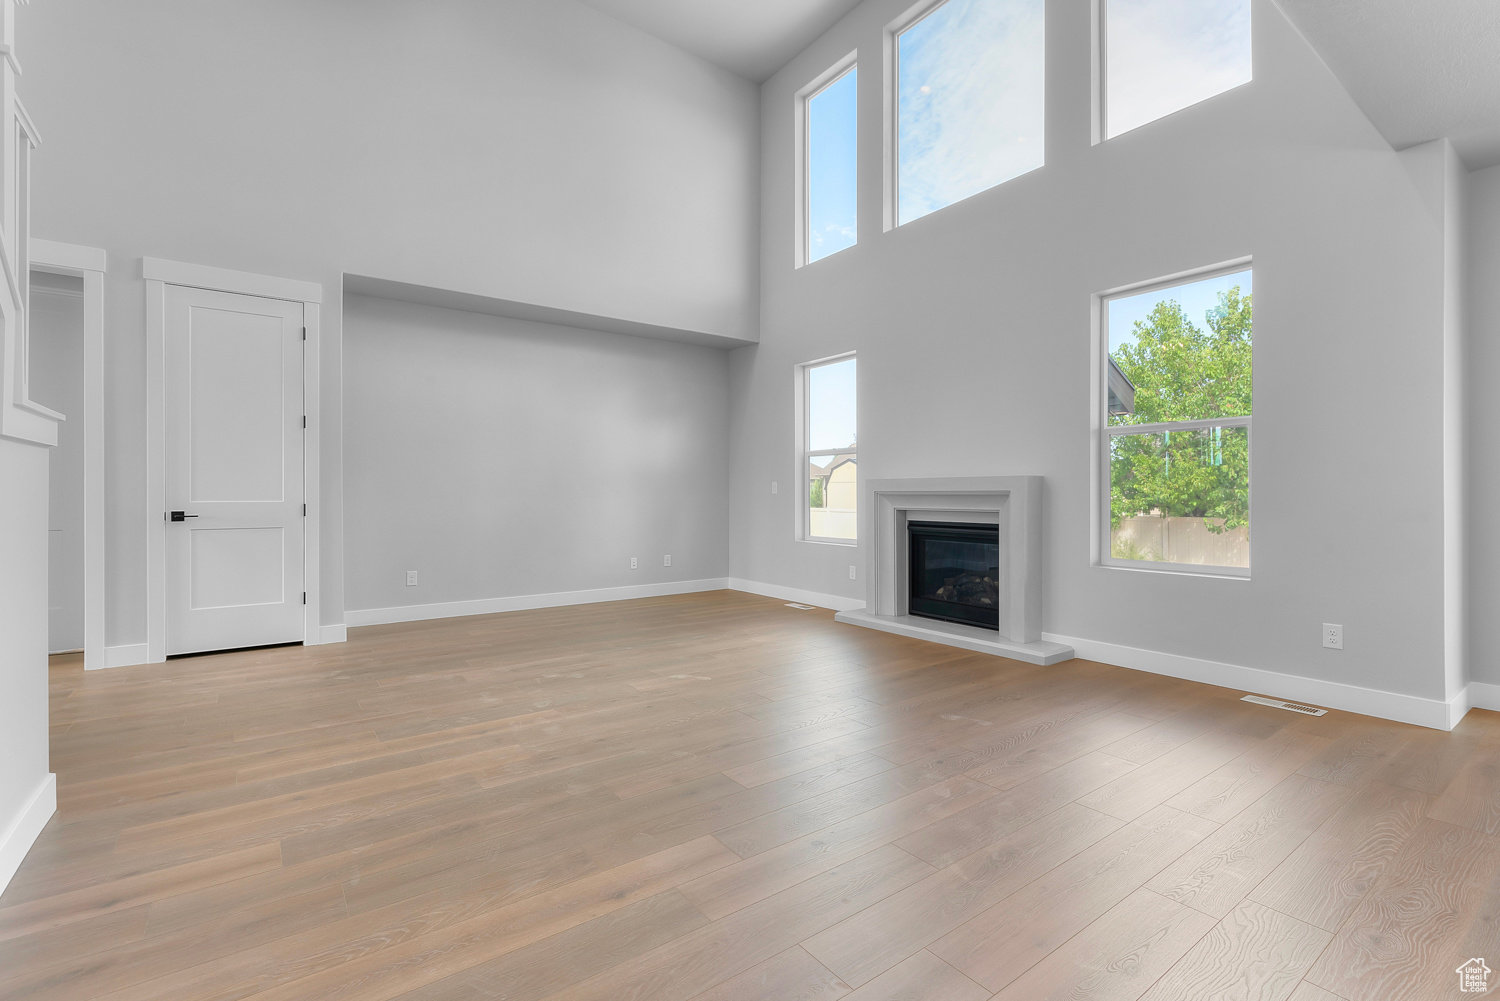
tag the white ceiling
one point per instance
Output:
(753, 38)
(1421, 69)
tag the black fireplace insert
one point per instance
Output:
(955, 572)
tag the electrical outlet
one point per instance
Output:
(632, 563)
(773, 486)
(411, 578)
(851, 573)
(1333, 636)
(666, 561)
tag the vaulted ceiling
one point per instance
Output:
(753, 38)
(1420, 69)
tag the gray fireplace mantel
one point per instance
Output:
(1012, 502)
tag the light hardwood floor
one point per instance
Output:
(721, 798)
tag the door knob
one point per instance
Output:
(180, 516)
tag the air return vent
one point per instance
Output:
(1289, 706)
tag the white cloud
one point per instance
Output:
(1164, 55)
(973, 78)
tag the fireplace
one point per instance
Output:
(1008, 509)
(955, 572)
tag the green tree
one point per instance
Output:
(815, 492)
(1183, 372)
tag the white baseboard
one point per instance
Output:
(130, 654)
(1458, 706)
(488, 606)
(1433, 713)
(23, 831)
(125, 655)
(1482, 695)
(833, 601)
(330, 634)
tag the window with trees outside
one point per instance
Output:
(828, 456)
(1177, 395)
(1160, 56)
(970, 82)
(830, 164)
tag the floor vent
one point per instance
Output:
(1290, 706)
(793, 604)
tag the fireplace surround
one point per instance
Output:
(1013, 506)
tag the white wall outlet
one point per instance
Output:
(851, 573)
(411, 578)
(632, 563)
(773, 486)
(666, 561)
(1333, 636)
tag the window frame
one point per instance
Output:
(801, 432)
(1105, 433)
(802, 166)
(892, 106)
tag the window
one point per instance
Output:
(830, 164)
(1161, 56)
(826, 451)
(1176, 409)
(969, 77)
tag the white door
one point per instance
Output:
(235, 513)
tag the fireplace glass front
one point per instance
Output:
(955, 572)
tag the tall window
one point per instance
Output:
(970, 110)
(828, 455)
(1161, 56)
(1176, 402)
(830, 166)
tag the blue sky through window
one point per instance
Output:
(972, 101)
(831, 406)
(1164, 55)
(832, 164)
(1195, 298)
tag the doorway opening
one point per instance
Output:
(56, 376)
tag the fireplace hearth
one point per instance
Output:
(955, 572)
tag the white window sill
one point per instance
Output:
(1176, 569)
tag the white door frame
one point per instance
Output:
(88, 263)
(158, 274)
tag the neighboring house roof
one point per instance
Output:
(1121, 391)
(815, 471)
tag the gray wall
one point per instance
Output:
(23, 628)
(1484, 370)
(534, 150)
(973, 332)
(499, 457)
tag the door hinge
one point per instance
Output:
(304, 597)
(304, 333)
(304, 422)
(304, 510)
